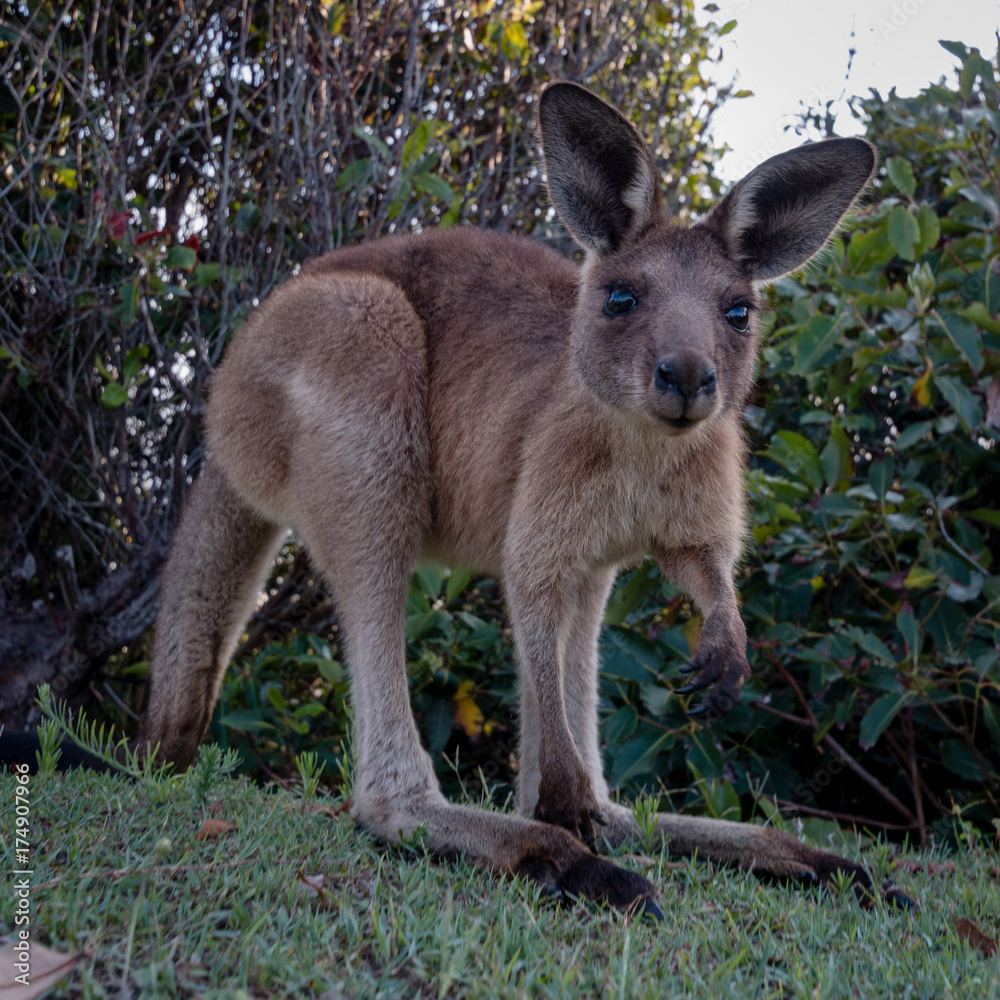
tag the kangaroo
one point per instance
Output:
(478, 399)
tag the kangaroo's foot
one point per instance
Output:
(548, 855)
(763, 850)
(569, 801)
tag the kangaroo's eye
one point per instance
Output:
(738, 317)
(621, 299)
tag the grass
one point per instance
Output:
(122, 876)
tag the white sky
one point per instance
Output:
(793, 51)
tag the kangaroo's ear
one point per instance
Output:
(600, 174)
(782, 212)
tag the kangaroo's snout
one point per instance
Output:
(684, 389)
(685, 379)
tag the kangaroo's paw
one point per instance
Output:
(592, 877)
(723, 665)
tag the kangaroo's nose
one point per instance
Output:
(686, 379)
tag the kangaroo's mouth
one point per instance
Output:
(680, 423)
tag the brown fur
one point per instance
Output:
(464, 396)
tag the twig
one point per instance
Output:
(839, 816)
(869, 778)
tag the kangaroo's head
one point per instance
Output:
(666, 319)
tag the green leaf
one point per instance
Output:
(133, 362)
(638, 756)
(880, 476)
(976, 312)
(912, 434)
(114, 395)
(247, 216)
(836, 455)
(981, 197)
(206, 274)
(402, 197)
(870, 249)
(704, 759)
(630, 594)
(930, 227)
(130, 301)
(514, 43)
(103, 368)
(310, 710)
(439, 720)
(960, 399)
(909, 629)
(246, 720)
(957, 49)
(435, 186)
(868, 642)
(675, 643)
(992, 716)
(331, 670)
(428, 578)
(812, 343)
(901, 174)
(621, 725)
(354, 175)
(904, 232)
(918, 578)
(987, 516)
(416, 143)
(960, 760)
(727, 27)
(721, 800)
(838, 505)
(964, 336)
(419, 623)
(881, 713)
(796, 454)
(374, 141)
(629, 655)
(181, 258)
(458, 580)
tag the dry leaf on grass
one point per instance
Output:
(45, 968)
(968, 931)
(644, 862)
(640, 859)
(212, 829)
(315, 889)
(322, 808)
(930, 867)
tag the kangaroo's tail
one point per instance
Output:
(218, 562)
(25, 748)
